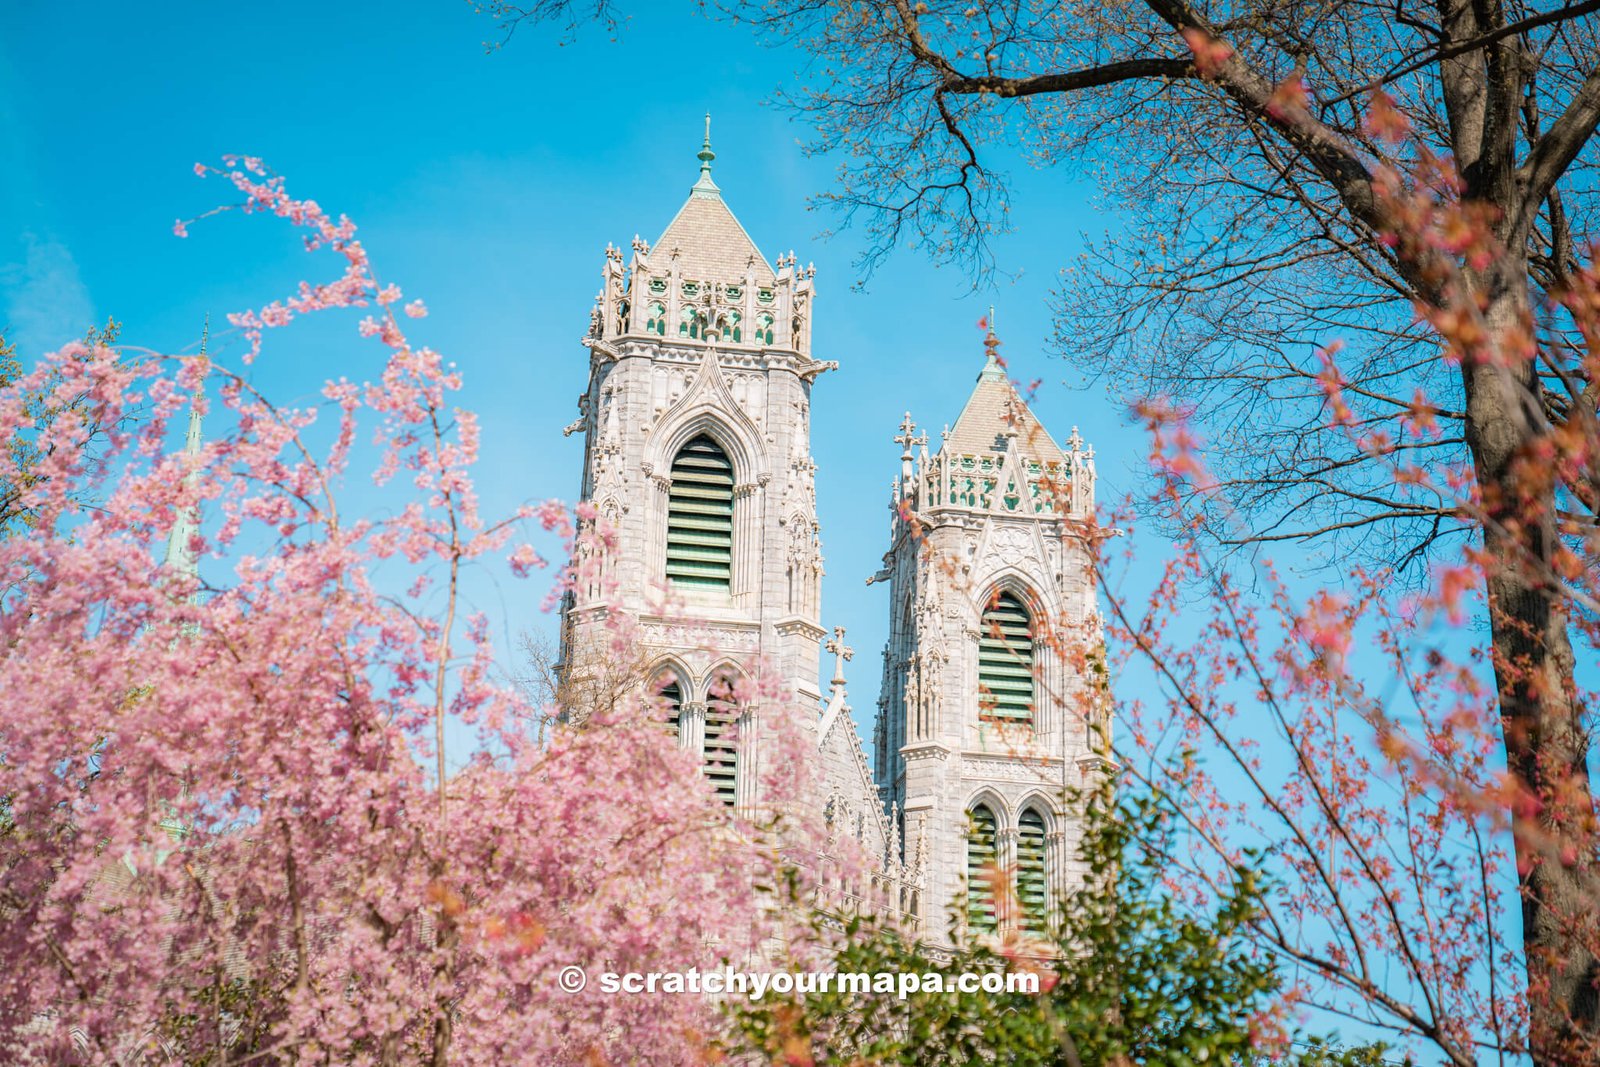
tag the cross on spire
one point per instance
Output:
(906, 438)
(842, 653)
(907, 434)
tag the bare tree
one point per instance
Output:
(1236, 134)
(592, 679)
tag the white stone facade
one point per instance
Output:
(699, 335)
(998, 509)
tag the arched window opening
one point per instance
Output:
(656, 318)
(731, 327)
(700, 516)
(764, 323)
(1032, 886)
(690, 322)
(669, 699)
(722, 746)
(981, 871)
(622, 317)
(1005, 662)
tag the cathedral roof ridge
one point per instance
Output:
(996, 413)
(705, 239)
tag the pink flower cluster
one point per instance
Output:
(229, 820)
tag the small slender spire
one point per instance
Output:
(186, 523)
(992, 370)
(705, 186)
(842, 653)
(907, 438)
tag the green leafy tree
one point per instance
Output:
(1128, 975)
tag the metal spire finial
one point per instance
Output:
(705, 186)
(993, 369)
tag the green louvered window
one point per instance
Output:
(722, 753)
(1005, 661)
(669, 698)
(1032, 887)
(700, 516)
(981, 860)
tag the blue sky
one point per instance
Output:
(488, 185)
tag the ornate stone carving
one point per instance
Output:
(711, 636)
(1011, 545)
(1011, 768)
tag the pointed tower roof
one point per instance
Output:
(704, 237)
(996, 414)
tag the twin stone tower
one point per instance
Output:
(697, 429)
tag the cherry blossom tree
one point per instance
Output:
(45, 406)
(230, 834)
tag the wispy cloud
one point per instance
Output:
(43, 301)
(46, 303)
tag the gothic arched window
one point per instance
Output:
(981, 867)
(1005, 661)
(689, 323)
(622, 317)
(722, 746)
(669, 699)
(764, 328)
(1032, 884)
(700, 516)
(656, 318)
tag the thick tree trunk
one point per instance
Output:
(1542, 720)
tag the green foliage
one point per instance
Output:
(10, 366)
(1130, 975)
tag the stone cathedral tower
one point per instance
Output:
(696, 424)
(982, 722)
(697, 428)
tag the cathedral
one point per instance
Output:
(696, 422)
